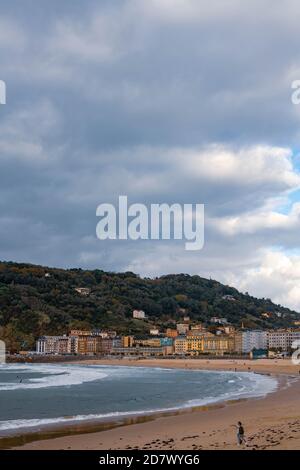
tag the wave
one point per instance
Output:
(55, 376)
(260, 386)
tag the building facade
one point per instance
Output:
(139, 314)
(171, 333)
(56, 345)
(282, 339)
(180, 345)
(182, 328)
(246, 341)
(127, 341)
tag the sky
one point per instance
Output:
(175, 101)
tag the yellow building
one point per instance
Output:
(88, 344)
(238, 342)
(149, 342)
(209, 343)
(127, 341)
(218, 345)
(195, 344)
(80, 333)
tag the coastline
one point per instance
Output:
(204, 427)
(262, 366)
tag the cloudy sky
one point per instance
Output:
(164, 101)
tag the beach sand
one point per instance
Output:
(271, 422)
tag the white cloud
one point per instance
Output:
(277, 277)
(259, 220)
(190, 11)
(256, 164)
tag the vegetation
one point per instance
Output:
(36, 300)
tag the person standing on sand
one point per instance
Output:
(240, 433)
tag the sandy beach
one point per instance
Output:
(271, 422)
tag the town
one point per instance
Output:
(185, 339)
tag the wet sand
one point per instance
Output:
(272, 422)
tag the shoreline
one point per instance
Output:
(111, 432)
(262, 366)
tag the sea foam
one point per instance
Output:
(55, 376)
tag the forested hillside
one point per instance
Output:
(37, 300)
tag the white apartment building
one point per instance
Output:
(221, 321)
(154, 332)
(57, 345)
(140, 314)
(254, 339)
(282, 339)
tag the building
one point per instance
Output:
(208, 343)
(127, 341)
(91, 342)
(246, 341)
(221, 321)
(259, 354)
(182, 328)
(278, 339)
(88, 344)
(154, 342)
(148, 343)
(109, 334)
(199, 327)
(154, 332)
(166, 341)
(56, 345)
(218, 345)
(195, 344)
(73, 345)
(228, 297)
(139, 314)
(171, 333)
(195, 332)
(141, 351)
(282, 339)
(180, 345)
(117, 342)
(92, 345)
(168, 350)
(85, 291)
(229, 329)
(238, 342)
(266, 314)
(80, 333)
(106, 346)
(102, 333)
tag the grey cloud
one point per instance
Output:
(109, 98)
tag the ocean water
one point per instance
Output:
(36, 395)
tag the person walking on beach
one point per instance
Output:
(240, 433)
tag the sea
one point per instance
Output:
(34, 396)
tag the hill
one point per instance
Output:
(36, 300)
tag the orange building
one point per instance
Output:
(170, 333)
